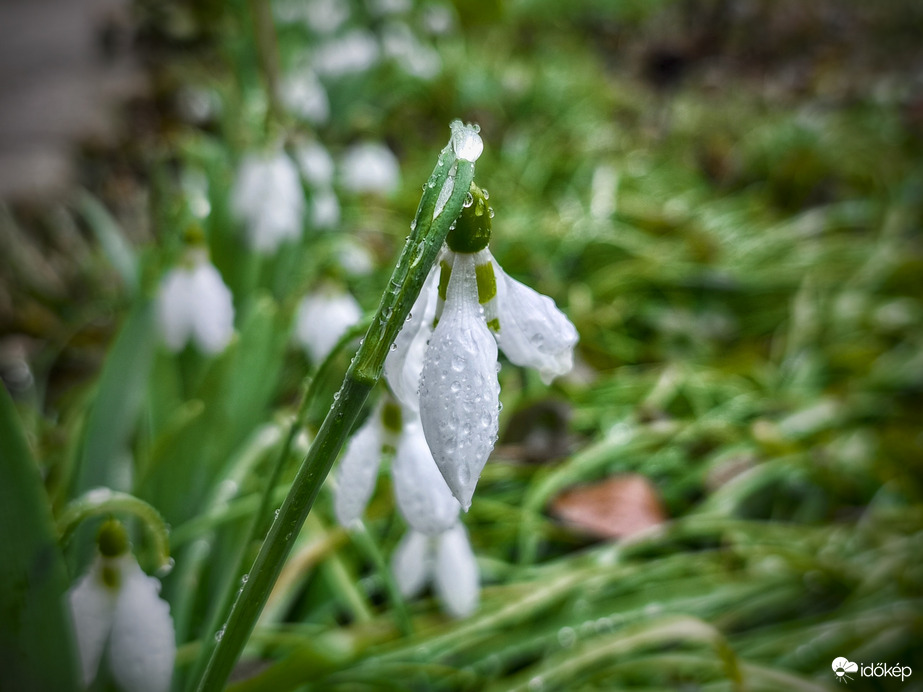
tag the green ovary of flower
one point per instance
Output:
(471, 232)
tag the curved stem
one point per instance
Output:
(418, 255)
(105, 501)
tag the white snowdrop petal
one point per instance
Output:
(323, 318)
(456, 577)
(423, 497)
(325, 208)
(411, 563)
(370, 167)
(533, 331)
(352, 52)
(315, 163)
(404, 362)
(304, 95)
(267, 197)
(459, 392)
(92, 608)
(174, 317)
(358, 470)
(213, 324)
(142, 648)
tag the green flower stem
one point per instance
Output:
(259, 523)
(103, 501)
(413, 265)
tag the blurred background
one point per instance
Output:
(725, 196)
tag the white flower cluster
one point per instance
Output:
(442, 371)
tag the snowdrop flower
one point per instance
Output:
(267, 197)
(317, 168)
(370, 167)
(423, 498)
(315, 163)
(304, 95)
(446, 559)
(116, 609)
(415, 58)
(446, 354)
(322, 318)
(326, 16)
(353, 52)
(194, 303)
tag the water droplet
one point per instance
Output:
(413, 225)
(490, 212)
(166, 568)
(336, 396)
(536, 684)
(469, 200)
(409, 317)
(465, 141)
(220, 633)
(392, 347)
(455, 387)
(458, 363)
(277, 512)
(386, 313)
(567, 637)
(243, 579)
(485, 193)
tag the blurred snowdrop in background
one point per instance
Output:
(268, 199)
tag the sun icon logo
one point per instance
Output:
(841, 666)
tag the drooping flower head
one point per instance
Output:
(117, 611)
(445, 358)
(194, 304)
(322, 318)
(267, 197)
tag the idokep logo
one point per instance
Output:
(842, 667)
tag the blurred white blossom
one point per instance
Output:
(315, 163)
(370, 167)
(325, 16)
(447, 560)
(193, 303)
(322, 318)
(415, 58)
(304, 95)
(354, 52)
(267, 197)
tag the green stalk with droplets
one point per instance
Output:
(413, 265)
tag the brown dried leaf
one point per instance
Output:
(617, 507)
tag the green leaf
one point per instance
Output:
(111, 238)
(118, 401)
(36, 646)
